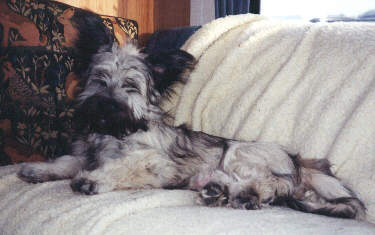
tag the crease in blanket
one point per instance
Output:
(310, 87)
(52, 207)
(257, 85)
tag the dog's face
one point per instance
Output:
(123, 86)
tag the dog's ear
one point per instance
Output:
(169, 67)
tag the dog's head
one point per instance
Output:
(123, 88)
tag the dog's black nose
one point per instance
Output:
(106, 116)
(97, 113)
(103, 122)
(105, 105)
(113, 107)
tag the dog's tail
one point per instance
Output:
(323, 193)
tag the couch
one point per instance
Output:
(307, 86)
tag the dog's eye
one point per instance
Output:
(101, 73)
(100, 82)
(99, 76)
(131, 90)
(131, 87)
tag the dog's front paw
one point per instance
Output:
(248, 199)
(83, 185)
(35, 173)
(214, 194)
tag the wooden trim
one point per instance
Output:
(169, 14)
(107, 7)
(141, 11)
(151, 15)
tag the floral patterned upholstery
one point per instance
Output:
(38, 75)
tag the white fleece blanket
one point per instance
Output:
(310, 87)
(52, 208)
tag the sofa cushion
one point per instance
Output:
(169, 39)
(45, 45)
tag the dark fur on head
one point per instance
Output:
(168, 67)
(92, 35)
(106, 116)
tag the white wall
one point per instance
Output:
(298, 9)
(201, 11)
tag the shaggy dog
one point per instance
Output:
(125, 144)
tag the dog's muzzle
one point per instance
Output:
(106, 116)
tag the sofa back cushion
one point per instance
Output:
(44, 47)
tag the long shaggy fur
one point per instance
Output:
(125, 144)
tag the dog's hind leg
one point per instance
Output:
(261, 172)
(213, 186)
(326, 195)
(64, 167)
(220, 189)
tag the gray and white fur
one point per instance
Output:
(125, 144)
